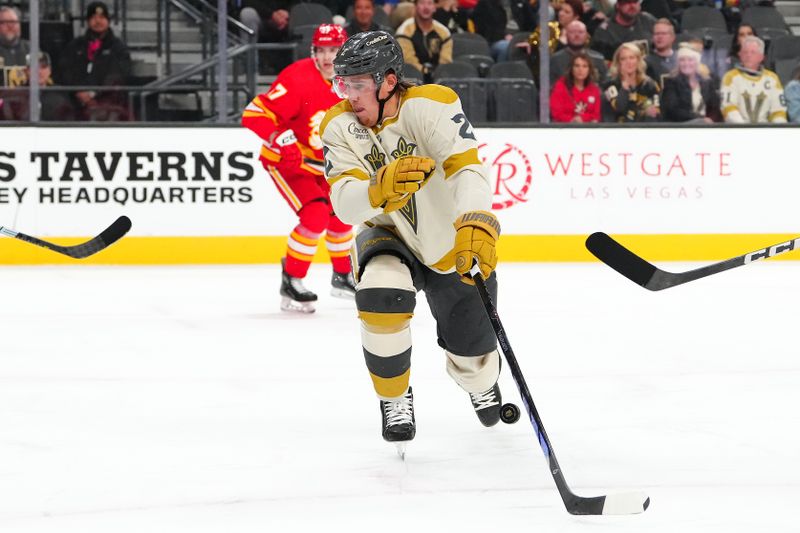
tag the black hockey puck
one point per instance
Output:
(509, 413)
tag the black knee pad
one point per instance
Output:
(379, 241)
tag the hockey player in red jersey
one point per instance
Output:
(287, 119)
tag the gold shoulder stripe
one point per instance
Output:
(342, 107)
(353, 172)
(727, 79)
(775, 77)
(456, 162)
(431, 91)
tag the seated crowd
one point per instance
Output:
(94, 63)
(609, 62)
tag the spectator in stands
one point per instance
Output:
(448, 13)
(630, 95)
(576, 96)
(426, 43)
(13, 49)
(661, 59)
(792, 94)
(466, 6)
(577, 41)
(363, 18)
(490, 20)
(568, 11)
(688, 95)
(628, 24)
(97, 58)
(751, 93)
(269, 19)
(525, 14)
(713, 64)
(53, 106)
(595, 12)
(402, 11)
(744, 30)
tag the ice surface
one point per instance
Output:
(138, 399)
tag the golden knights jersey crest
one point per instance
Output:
(375, 158)
(403, 148)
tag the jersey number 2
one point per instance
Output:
(466, 128)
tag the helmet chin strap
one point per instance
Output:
(382, 101)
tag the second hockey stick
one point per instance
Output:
(625, 503)
(109, 236)
(652, 278)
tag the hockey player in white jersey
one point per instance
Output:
(403, 162)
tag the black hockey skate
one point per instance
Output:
(487, 405)
(295, 296)
(343, 285)
(398, 421)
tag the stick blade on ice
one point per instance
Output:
(626, 503)
(621, 259)
(612, 504)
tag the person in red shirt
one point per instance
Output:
(576, 96)
(287, 119)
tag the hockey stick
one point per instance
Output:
(625, 503)
(108, 237)
(652, 278)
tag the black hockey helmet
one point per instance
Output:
(370, 52)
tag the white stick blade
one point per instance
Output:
(626, 503)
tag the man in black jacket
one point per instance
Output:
(97, 58)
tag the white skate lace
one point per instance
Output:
(398, 411)
(482, 400)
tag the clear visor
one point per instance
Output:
(349, 87)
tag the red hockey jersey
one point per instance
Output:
(297, 100)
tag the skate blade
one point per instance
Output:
(342, 293)
(401, 449)
(292, 306)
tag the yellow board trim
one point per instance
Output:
(270, 249)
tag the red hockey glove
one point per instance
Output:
(476, 236)
(291, 156)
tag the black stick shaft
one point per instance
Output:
(573, 503)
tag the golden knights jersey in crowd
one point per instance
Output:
(297, 100)
(754, 97)
(630, 105)
(430, 123)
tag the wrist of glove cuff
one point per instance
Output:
(477, 233)
(285, 143)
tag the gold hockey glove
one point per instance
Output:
(393, 184)
(476, 235)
